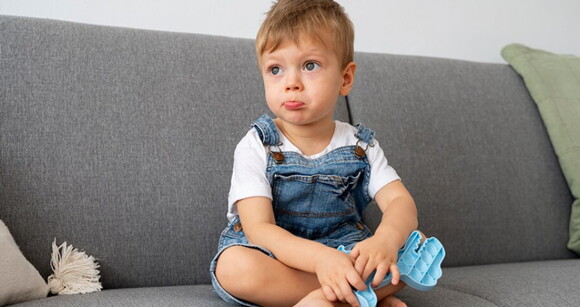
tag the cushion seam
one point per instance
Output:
(471, 294)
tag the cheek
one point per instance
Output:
(270, 94)
(329, 88)
(273, 86)
(267, 87)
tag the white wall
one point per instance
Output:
(463, 29)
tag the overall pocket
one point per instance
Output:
(315, 204)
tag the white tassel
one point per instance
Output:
(74, 272)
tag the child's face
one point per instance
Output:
(302, 81)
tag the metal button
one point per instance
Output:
(359, 152)
(359, 226)
(238, 227)
(278, 157)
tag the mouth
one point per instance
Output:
(293, 105)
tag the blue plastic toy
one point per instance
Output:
(419, 267)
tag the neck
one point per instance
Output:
(310, 139)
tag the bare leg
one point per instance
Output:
(250, 275)
(385, 295)
(385, 298)
(391, 301)
(315, 298)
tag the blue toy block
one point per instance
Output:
(419, 267)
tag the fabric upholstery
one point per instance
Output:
(120, 142)
(176, 296)
(469, 143)
(517, 284)
(545, 283)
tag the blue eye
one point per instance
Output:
(311, 66)
(275, 70)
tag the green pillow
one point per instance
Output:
(554, 83)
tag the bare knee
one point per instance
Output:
(389, 290)
(238, 270)
(391, 301)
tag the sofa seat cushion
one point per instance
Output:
(199, 295)
(544, 283)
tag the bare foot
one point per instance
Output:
(391, 301)
(315, 298)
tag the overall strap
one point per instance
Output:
(267, 130)
(365, 134)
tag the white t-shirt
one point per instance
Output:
(251, 157)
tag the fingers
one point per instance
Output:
(340, 292)
(345, 288)
(382, 271)
(356, 281)
(365, 266)
(352, 300)
(396, 275)
(354, 253)
(342, 289)
(361, 264)
(369, 269)
(348, 295)
(329, 293)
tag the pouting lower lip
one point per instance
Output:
(293, 104)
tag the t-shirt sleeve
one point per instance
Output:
(249, 172)
(381, 172)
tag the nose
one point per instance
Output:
(293, 82)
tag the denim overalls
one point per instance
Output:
(321, 199)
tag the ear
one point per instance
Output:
(347, 78)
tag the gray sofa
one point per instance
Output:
(120, 142)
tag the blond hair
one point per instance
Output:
(294, 19)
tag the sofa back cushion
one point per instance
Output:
(469, 143)
(120, 142)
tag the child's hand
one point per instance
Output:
(337, 276)
(376, 253)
